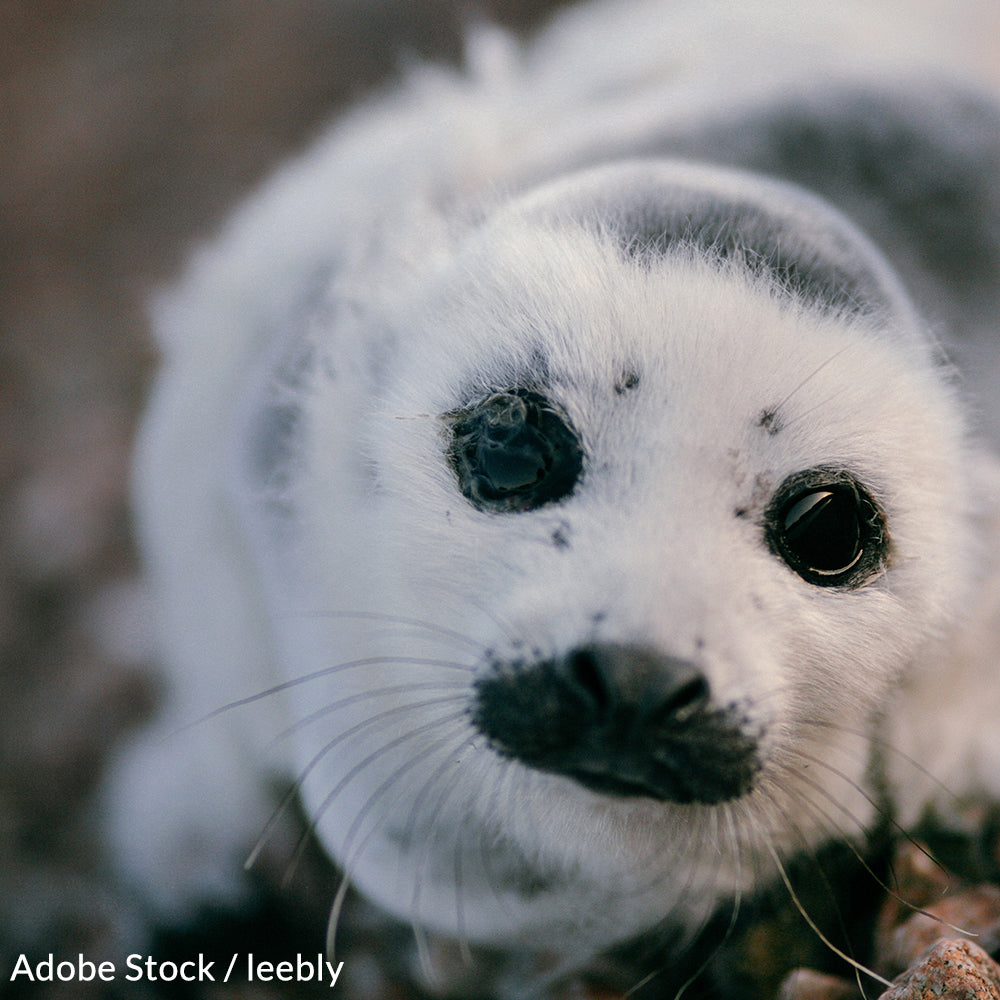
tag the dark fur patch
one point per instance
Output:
(270, 446)
(626, 381)
(560, 537)
(806, 259)
(770, 421)
(915, 165)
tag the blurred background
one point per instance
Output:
(128, 128)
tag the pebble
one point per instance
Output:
(972, 913)
(952, 969)
(807, 984)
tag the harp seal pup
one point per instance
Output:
(559, 461)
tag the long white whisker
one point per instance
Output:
(424, 953)
(883, 744)
(813, 926)
(505, 628)
(304, 772)
(848, 840)
(435, 815)
(360, 696)
(366, 661)
(726, 817)
(801, 385)
(508, 776)
(385, 748)
(351, 859)
(356, 770)
(791, 422)
(816, 810)
(390, 619)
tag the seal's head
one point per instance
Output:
(602, 527)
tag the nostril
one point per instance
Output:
(588, 674)
(632, 682)
(688, 697)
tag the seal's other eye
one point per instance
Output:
(827, 528)
(514, 451)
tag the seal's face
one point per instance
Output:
(604, 535)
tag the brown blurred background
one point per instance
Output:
(127, 129)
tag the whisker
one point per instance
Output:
(367, 661)
(505, 628)
(350, 860)
(804, 913)
(791, 422)
(296, 786)
(731, 837)
(458, 872)
(703, 966)
(884, 744)
(815, 809)
(801, 385)
(391, 619)
(837, 772)
(831, 823)
(335, 706)
(508, 777)
(418, 802)
(692, 933)
(388, 781)
(848, 840)
(355, 771)
(424, 954)
(447, 789)
(333, 920)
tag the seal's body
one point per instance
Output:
(563, 455)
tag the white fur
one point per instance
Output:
(410, 258)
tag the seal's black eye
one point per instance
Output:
(827, 528)
(514, 451)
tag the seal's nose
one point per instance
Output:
(660, 689)
(619, 719)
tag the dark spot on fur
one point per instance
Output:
(271, 444)
(770, 421)
(628, 380)
(522, 876)
(761, 489)
(759, 496)
(560, 537)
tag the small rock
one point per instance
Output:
(807, 984)
(955, 969)
(918, 881)
(972, 913)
